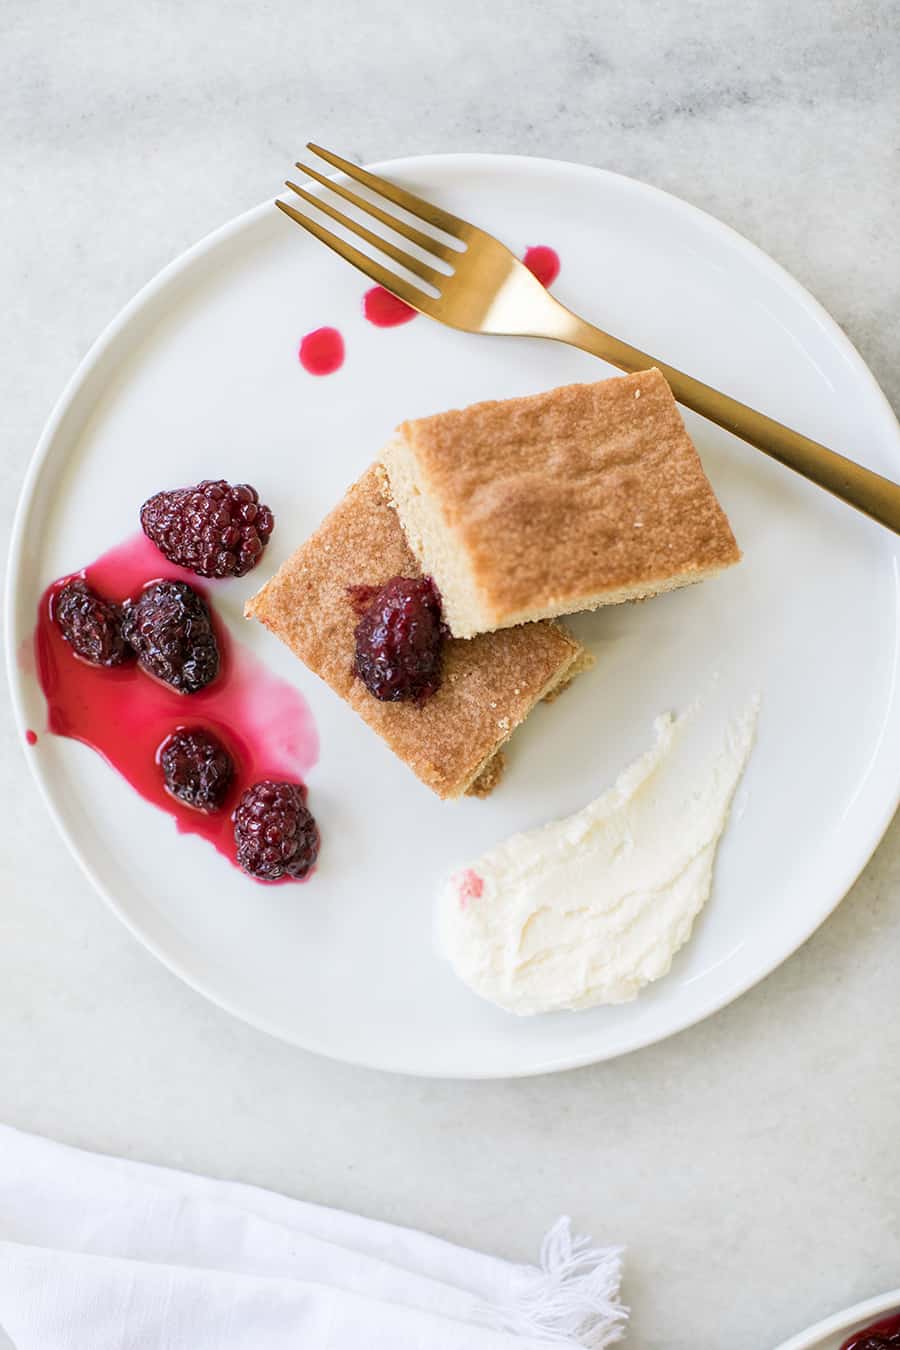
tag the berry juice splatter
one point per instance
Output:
(322, 351)
(126, 715)
(543, 262)
(31, 737)
(883, 1335)
(385, 310)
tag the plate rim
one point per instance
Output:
(546, 1063)
(845, 1320)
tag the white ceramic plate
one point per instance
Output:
(831, 1334)
(199, 377)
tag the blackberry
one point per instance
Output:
(399, 638)
(170, 628)
(275, 834)
(215, 529)
(197, 768)
(91, 625)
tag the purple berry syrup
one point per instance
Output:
(126, 716)
(881, 1335)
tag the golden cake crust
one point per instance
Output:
(568, 499)
(489, 686)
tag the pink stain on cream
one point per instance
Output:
(469, 886)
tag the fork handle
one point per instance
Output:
(869, 492)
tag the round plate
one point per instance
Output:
(831, 1334)
(199, 377)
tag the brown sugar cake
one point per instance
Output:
(489, 685)
(579, 497)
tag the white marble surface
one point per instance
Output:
(751, 1164)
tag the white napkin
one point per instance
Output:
(98, 1253)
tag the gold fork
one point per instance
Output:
(473, 282)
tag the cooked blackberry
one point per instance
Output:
(275, 833)
(91, 625)
(197, 768)
(399, 638)
(216, 529)
(170, 628)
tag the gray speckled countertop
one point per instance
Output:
(751, 1164)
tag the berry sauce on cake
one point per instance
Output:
(488, 686)
(399, 638)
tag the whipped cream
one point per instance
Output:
(591, 908)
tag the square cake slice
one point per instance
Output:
(583, 496)
(489, 685)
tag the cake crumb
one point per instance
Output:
(489, 777)
(586, 661)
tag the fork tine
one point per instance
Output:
(414, 265)
(442, 220)
(429, 242)
(391, 282)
